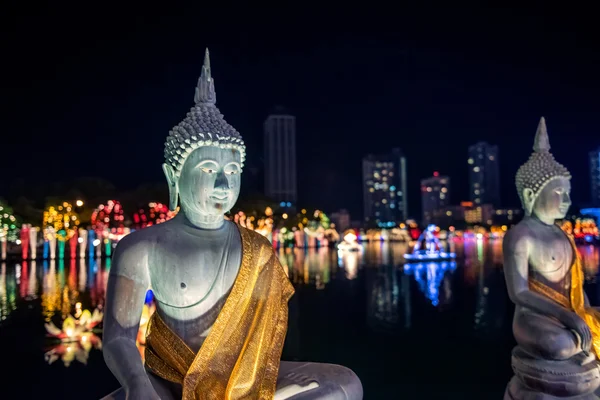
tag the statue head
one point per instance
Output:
(204, 156)
(544, 184)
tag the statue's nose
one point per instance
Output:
(221, 181)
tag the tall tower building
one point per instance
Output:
(595, 176)
(484, 177)
(280, 157)
(384, 189)
(435, 197)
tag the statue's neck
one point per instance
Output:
(208, 222)
(543, 220)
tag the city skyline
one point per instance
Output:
(101, 103)
(280, 158)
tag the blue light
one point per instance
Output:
(392, 188)
(289, 204)
(149, 297)
(282, 204)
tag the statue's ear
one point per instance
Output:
(528, 197)
(173, 182)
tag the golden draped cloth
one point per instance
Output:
(576, 299)
(240, 357)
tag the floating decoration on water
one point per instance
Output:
(73, 328)
(433, 249)
(76, 337)
(350, 242)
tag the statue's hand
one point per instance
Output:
(141, 390)
(575, 322)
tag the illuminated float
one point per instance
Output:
(433, 250)
(350, 242)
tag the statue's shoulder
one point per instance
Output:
(519, 235)
(140, 241)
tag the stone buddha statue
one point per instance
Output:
(556, 330)
(221, 293)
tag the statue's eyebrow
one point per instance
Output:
(206, 161)
(237, 164)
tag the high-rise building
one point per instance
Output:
(280, 157)
(435, 197)
(484, 178)
(384, 189)
(595, 176)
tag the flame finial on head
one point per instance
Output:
(540, 169)
(541, 142)
(203, 125)
(205, 91)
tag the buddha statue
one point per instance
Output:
(556, 330)
(221, 293)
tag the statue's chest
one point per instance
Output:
(194, 273)
(552, 253)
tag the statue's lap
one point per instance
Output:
(543, 336)
(334, 382)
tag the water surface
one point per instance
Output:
(430, 330)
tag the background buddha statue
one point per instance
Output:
(553, 323)
(221, 293)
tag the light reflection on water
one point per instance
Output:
(60, 284)
(398, 296)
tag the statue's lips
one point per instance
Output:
(220, 197)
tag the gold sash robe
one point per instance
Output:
(576, 299)
(240, 357)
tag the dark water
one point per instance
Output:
(409, 331)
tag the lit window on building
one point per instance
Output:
(444, 190)
(491, 158)
(442, 196)
(429, 189)
(371, 190)
(384, 201)
(470, 161)
(449, 213)
(475, 169)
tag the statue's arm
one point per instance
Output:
(516, 250)
(126, 291)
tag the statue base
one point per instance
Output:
(539, 379)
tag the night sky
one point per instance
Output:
(85, 94)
